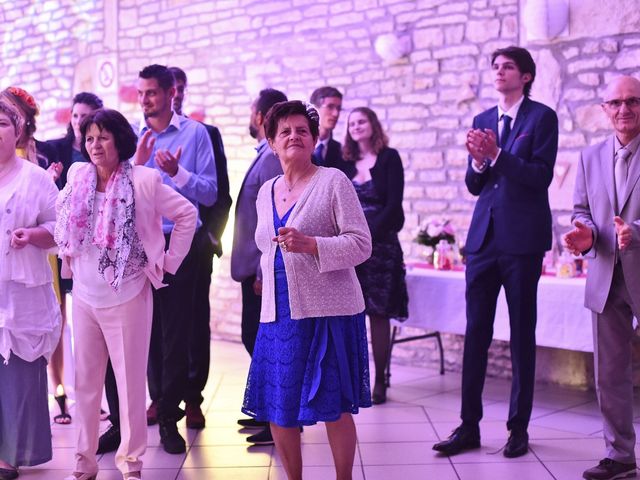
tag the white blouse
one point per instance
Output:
(30, 319)
(90, 286)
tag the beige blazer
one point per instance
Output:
(594, 205)
(155, 200)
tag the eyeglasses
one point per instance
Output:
(616, 103)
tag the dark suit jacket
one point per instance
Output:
(214, 218)
(388, 180)
(63, 150)
(245, 256)
(512, 195)
(334, 155)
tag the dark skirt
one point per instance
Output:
(25, 428)
(382, 278)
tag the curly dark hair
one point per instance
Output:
(379, 139)
(286, 109)
(86, 98)
(114, 122)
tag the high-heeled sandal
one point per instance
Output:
(81, 476)
(64, 418)
(379, 393)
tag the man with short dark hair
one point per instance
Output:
(207, 243)
(328, 101)
(245, 256)
(606, 209)
(512, 152)
(184, 156)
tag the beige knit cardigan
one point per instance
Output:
(324, 284)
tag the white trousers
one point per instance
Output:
(121, 333)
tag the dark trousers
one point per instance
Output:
(200, 332)
(111, 391)
(250, 314)
(168, 355)
(486, 272)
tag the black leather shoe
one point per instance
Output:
(517, 445)
(109, 441)
(8, 473)
(171, 440)
(462, 438)
(263, 437)
(251, 423)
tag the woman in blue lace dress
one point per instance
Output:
(377, 173)
(310, 361)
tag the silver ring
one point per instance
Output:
(283, 246)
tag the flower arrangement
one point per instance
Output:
(436, 229)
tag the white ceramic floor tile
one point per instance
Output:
(406, 453)
(395, 432)
(228, 456)
(314, 473)
(504, 470)
(410, 472)
(575, 449)
(314, 454)
(394, 440)
(391, 415)
(245, 473)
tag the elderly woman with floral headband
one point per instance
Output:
(28, 147)
(310, 361)
(29, 317)
(109, 232)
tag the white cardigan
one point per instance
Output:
(326, 284)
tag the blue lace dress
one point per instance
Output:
(309, 370)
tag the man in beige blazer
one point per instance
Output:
(606, 219)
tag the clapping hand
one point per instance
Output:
(578, 240)
(481, 145)
(168, 162)
(623, 232)
(144, 149)
(55, 169)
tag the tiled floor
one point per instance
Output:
(394, 439)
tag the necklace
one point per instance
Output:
(293, 185)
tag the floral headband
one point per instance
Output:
(25, 96)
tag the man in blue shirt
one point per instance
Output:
(184, 156)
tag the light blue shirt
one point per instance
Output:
(196, 179)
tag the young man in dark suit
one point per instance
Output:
(328, 101)
(208, 243)
(512, 151)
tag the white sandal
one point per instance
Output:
(81, 476)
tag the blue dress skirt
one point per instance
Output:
(309, 370)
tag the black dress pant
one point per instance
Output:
(250, 314)
(487, 271)
(200, 332)
(168, 353)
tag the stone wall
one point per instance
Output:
(426, 99)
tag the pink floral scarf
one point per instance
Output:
(114, 233)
